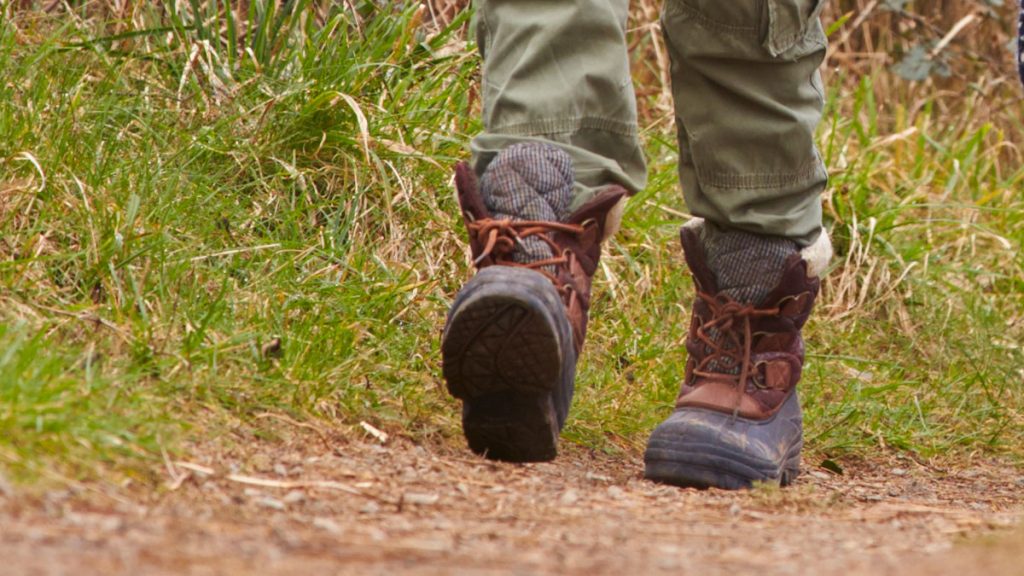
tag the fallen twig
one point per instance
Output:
(299, 484)
(283, 484)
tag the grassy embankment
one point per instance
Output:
(175, 196)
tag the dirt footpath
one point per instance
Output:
(314, 507)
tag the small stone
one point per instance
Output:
(569, 497)
(615, 492)
(370, 508)
(95, 522)
(421, 499)
(327, 525)
(294, 497)
(670, 562)
(261, 462)
(272, 503)
(735, 509)
(280, 469)
(899, 472)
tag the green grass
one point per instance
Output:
(175, 194)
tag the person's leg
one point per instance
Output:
(557, 71)
(559, 153)
(748, 98)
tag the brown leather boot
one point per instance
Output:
(515, 331)
(737, 417)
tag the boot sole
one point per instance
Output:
(701, 465)
(503, 357)
(699, 453)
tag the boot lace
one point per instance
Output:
(501, 238)
(727, 337)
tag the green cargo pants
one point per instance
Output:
(747, 92)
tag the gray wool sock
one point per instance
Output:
(746, 266)
(529, 181)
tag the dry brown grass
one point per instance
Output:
(921, 187)
(869, 38)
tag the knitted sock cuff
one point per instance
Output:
(529, 181)
(747, 266)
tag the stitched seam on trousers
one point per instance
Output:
(685, 157)
(794, 40)
(567, 126)
(710, 24)
(764, 181)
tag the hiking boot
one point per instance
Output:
(515, 331)
(737, 419)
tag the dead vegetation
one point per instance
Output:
(387, 507)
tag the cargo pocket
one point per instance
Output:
(794, 27)
(785, 29)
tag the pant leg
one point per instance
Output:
(748, 98)
(558, 71)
